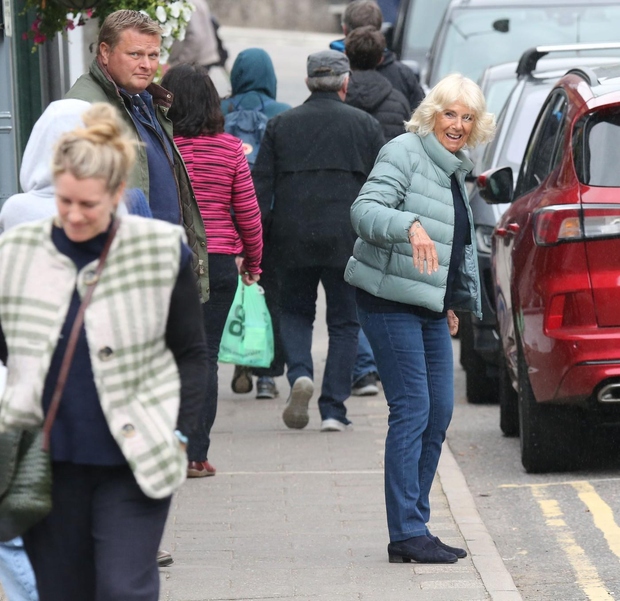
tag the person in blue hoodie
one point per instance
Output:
(254, 86)
(253, 81)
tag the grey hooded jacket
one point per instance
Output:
(411, 180)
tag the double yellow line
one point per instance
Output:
(586, 573)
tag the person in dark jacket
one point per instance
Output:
(368, 89)
(312, 162)
(254, 86)
(367, 12)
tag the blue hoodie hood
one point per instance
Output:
(253, 71)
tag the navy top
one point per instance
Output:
(80, 433)
(462, 236)
(163, 191)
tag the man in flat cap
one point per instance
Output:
(312, 162)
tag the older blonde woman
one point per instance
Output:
(134, 388)
(413, 264)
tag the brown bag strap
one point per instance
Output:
(73, 337)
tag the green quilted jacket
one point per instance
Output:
(411, 180)
(96, 86)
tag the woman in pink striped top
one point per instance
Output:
(223, 186)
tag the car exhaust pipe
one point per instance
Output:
(610, 393)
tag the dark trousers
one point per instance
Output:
(298, 300)
(223, 278)
(100, 541)
(271, 285)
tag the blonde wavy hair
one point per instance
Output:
(103, 149)
(454, 88)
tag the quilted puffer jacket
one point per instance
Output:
(411, 180)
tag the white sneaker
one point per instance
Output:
(333, 425)
(295, 414)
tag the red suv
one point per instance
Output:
(556, 272)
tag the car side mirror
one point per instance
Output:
(496, 185)
(502, 25)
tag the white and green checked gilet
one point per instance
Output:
(135, 373)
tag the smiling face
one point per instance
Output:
(453, 126)
(133, 62)
(85, 206)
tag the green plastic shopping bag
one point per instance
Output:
(248, 333)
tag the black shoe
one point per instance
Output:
(266, 388)
(242, 379)
(366, 385)
(419, 548)
(460, 553)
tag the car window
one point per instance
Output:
(422, 23)
(477, 37)
(497, 93)
(596, 149)
(521, 125)
(542, 153)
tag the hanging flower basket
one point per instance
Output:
(60, 16)
(77, 6)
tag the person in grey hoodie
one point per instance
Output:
(254, 86)
(35, 176)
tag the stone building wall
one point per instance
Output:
(301, 15)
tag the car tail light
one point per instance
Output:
(571, 223)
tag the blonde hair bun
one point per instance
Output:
(102, 149)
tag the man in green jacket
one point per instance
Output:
(122, 74)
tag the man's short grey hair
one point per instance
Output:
(332, 83)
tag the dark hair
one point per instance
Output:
(362, 12)
(364, 46)
(195, 108)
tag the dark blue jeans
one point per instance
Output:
(223, 280)
(414, 357)
(298, 302)
(364, 362)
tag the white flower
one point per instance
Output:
(166, 31)
(164, 55)
(160, 13)
(186, 12)
(175, 9)
(167, 42)
(174, 23)
(181, 33)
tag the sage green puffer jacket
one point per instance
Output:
(411, 180)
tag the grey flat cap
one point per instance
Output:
(328, 63)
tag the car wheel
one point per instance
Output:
(508, 401)
(550, 434)
(481, 389)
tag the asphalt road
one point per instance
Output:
(557, 533)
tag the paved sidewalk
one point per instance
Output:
(299, 515)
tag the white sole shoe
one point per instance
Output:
(333, 425)
(295, 414)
